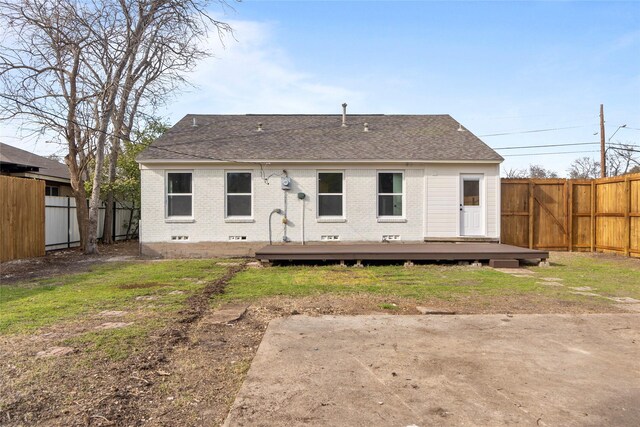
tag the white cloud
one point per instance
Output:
(253, 75)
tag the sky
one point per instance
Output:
(503, 68)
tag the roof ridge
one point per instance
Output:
(315, 115)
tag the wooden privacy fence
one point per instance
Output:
(21, 218)
(599, 215)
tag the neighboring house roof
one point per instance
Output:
(14, 159)
(318, 138)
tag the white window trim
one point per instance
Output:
(237, 218)
(178, 218)
(391, 218)
(331, 218)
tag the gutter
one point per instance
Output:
(315, 162)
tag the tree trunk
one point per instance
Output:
(94, 203)
(131, 210)
(76, 175)
(82, 215)
(107, 229)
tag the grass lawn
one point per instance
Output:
(609, 276)
(166, 363)
(25, 307)
(418, 282)
(613, 276)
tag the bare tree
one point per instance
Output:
(537, 171)
(84, 70)
(621, 158)
(584, 168)
(165, 55)
(515, 173)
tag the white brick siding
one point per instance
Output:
(431, 206)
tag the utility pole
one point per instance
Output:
(603, 160)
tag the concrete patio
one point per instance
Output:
(444, 370)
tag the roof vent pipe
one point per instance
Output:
(460, 128)
(259, 127)
(344, 115)
(193, 123)
(366, 127)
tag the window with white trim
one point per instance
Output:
(179, 194)
(330, 194)
(390, 194)
(239, 194)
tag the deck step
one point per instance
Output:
(504, 263)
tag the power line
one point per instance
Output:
(543, 146)
(546, 154)
(625, 149)
(532, 131)
(571, 152)
(537, 115)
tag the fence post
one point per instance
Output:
(68, 222)
(627, 218)
(569, 192)
(113, 222)
(593, 216)
(531, 210)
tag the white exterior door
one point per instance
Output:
(471, 205)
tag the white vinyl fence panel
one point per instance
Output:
(61, 223)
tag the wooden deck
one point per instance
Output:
(398, 252)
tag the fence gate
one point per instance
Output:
(21, 218)
(584, 215)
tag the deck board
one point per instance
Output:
(395, 251)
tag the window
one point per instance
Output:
(390, 193)
(51, 191)
(471, 190)
(239, 194)
(330, 194)
(179, 194)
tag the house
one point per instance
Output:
(229, 184)
(21, 163)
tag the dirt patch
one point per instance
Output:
(67, 261)
(207, 371)
(56, 352)
(112, 313)
(467, 304)
(142, 285)
(112, 325)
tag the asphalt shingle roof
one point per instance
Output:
(47, 167)
(318, 138)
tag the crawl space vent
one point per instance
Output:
(329, 237)
(236, 238)
(179, 237)
(390, 237)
